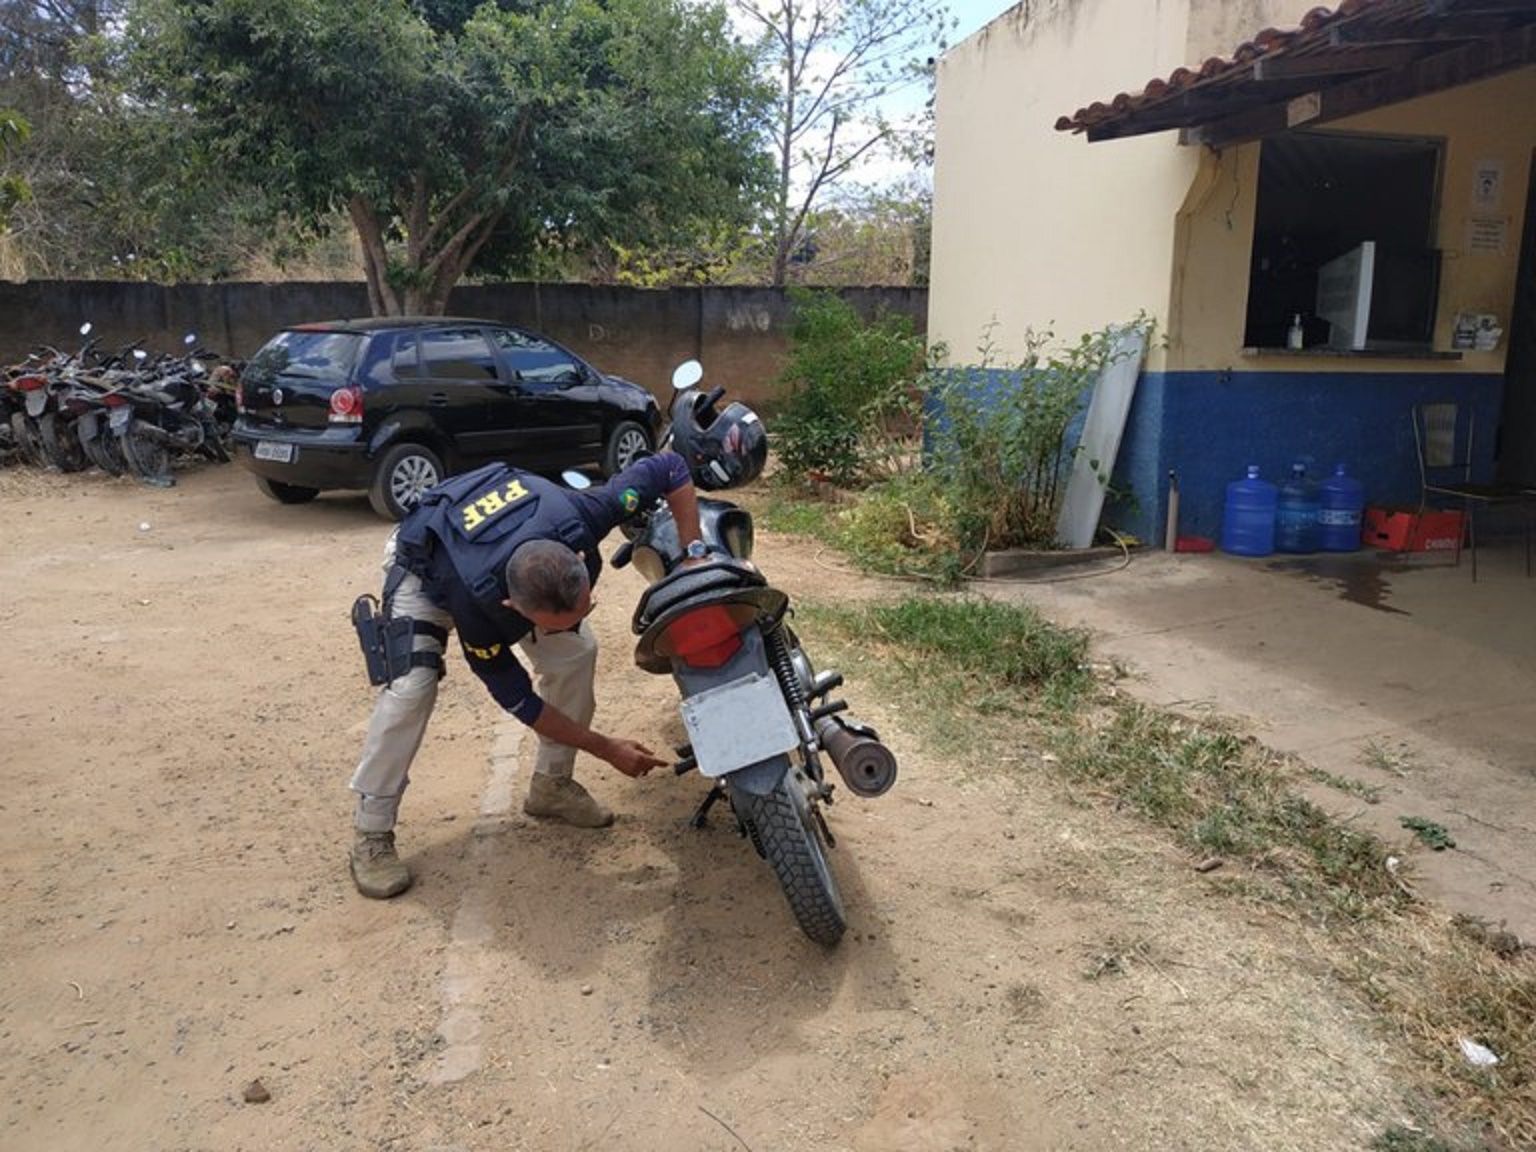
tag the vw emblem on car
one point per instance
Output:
(277, 395)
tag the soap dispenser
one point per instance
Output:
(1295, 338)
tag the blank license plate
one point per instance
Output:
(272, 450)
(737, 724)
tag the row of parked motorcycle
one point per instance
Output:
(127, 412)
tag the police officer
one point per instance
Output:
(506, 558)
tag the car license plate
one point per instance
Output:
(272, 450)
(737, 724)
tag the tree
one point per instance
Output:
(13, 188)
(834, 62)
(455, 140)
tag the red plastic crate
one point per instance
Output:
(1409, 530)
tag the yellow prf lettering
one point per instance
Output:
(491, 504)
(483, 653)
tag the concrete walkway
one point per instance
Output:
(1398, 672)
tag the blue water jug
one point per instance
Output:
(1248, 517)
(1296, 515)
(1341, 504)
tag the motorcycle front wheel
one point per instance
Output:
(790, 838)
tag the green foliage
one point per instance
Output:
(991, 650)
(1428, 832)
(956, 461)
(1223, 795)
(14, 190)
(832, 62)
(454, 140)
(852, 388)
(998, 438)
(1396, 1139)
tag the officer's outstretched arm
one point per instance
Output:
(683, 503)
(628, 756)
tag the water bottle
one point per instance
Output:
(1296, 515)
(1341, 503)
(1248, 517)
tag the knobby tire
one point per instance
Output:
(793, 847)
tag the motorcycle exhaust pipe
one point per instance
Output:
(867, 766)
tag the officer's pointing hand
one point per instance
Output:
(633, 758)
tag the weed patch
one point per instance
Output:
(1432, 982)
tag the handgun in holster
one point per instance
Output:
(387, 641)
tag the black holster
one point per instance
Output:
(386, 641)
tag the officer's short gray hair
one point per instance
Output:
(546, 577)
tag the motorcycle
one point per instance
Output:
(174, 407)
(759, 717)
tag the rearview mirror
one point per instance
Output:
(687, 374)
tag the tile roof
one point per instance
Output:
(1360, 55)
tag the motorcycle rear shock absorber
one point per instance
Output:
(776, 640)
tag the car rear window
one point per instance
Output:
(307, 355)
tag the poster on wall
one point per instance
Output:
(1487, 235)
(1487, 184)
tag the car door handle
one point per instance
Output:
(438, 399)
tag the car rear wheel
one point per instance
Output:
(404, 473)
(628, 442)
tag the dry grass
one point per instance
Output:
(1432, 980)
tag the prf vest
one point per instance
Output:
(478, 520)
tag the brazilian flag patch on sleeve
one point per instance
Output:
(630, 499)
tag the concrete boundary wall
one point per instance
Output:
(741, 334)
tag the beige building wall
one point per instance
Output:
(1491, 123)
(1038, 229)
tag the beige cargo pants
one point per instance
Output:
(563, 665)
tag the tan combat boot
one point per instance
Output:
(561, 798)
(376, 869)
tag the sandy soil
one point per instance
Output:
(184, 703)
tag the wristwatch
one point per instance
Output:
(697, 550)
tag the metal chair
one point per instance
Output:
(1443, 434)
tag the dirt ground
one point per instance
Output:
(184, 703)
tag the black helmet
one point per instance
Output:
(730, 449)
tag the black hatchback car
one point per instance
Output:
(394, 405)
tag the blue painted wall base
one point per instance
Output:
(1209, 426)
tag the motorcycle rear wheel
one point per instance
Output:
(29, 440)
(149, 459)
(61, 443)
(791, 842)
(106, 452)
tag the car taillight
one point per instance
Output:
(114, 400)
(347, 405)
(28, 383)
(706, 638)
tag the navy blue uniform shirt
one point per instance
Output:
(580, 519)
